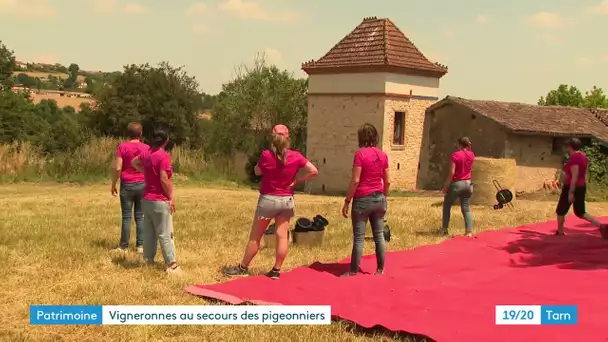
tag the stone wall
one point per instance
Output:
(442, 128)
(404, 159)
(536, 162)
(333, 121)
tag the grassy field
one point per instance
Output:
(62, 101)
(54, 243)
(41, 74)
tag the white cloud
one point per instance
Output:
(197, 9)
(104, 6)
(584, 60)
(273, 56)
(546, 20)
(601, 8)
(28, 9)
(134, 8)
(549, 38)
(252, 10)
(482, 19)
(199, 28)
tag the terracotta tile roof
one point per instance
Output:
(375, 43)
(546, 120)
(601, 114)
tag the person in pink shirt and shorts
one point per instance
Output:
(369, 186)
(458, 186)
(158, 201)
(278, 167)
(131, 186)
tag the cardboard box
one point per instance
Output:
(308, 239)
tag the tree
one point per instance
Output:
(247, 108)
(595, 98)
(17, 119)
(25, 80)
(161, 96)
(7, 66)
(70, 82)
(90, 85)
(564, 95)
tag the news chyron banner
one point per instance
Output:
(179, 315)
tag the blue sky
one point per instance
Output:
(496, 50)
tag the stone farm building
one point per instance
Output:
(532, 135)
(376, 74)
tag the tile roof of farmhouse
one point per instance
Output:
(375, 45)
(532, 119)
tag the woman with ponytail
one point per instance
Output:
(278, 167)
(158, 201)
(458, 185)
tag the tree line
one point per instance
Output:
(241, 115)
(161, 96)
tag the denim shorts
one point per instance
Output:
(270, 207)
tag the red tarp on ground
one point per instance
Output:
(448, 291)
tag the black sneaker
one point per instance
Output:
(559, 233)
(273, 274)
(604, 231)
(236, 271)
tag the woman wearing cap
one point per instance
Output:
(278, 168)
(158, 204)
(458, 185)
(369, 186)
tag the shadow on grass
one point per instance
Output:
(127, 263)
(381, 333)
(430, 233)
(103, 244)
(577, 250)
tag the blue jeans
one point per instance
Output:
(130, 203)
(462, 190)
(372, 208)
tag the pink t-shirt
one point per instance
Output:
(372, 162)
(463, 160)
(276, 176)
(128, 151)
(580, 159)
(153, 162)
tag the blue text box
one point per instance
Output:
(66, 314)
(559, 314)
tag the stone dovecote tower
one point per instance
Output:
(377, 75)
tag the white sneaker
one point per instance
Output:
(140, 250)
(119, 250)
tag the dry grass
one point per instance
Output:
(62, 101)
(54, 242)
(41, 74)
